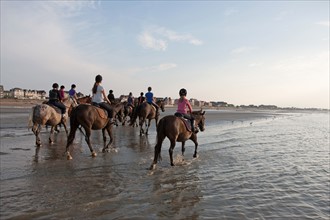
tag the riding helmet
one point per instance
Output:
(183, 92)
(98, 78)
(55, 85)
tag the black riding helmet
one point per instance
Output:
(55, 85)
(183, 92)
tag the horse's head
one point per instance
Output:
(118, 110)
(161, 104)
(200, 119)
(85, 99)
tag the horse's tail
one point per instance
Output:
(30, 122)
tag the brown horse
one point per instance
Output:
(128, 113)
(175, 130)
(147, 111)
(45, 114)
(85, 100)
(91, 118)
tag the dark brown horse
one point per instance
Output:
(128, 114)
(175, 130)
(91, 118)
(147, 111)
(85, 100)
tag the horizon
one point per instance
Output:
(200, 100)
(254, 52)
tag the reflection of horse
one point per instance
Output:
(175, 130)
(147, 111)
(85, 99)
(91, 118)
(45, 114)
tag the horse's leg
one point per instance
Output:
(183, 148)
(104, 137)
(171, 151)
(36, 130)
(141, 126)
(51, 134)
(194, 139)
(157, 155)
(148, 125)
(88, 132)
(65, 128)
(71, 137)
(109, 130)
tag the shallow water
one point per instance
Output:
(249, 166)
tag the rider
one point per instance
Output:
(55, 99)
(73, 94)
(62, 92)
(140, 100)
(99, 97)
(150, 99)
(111, 96)
(130, 100)
(183, 104)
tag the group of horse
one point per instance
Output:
(83, 114)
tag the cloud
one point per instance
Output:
(229, 12)
(148, 41)
(324, 23)
(241, 50)
(157, 68)
(164, 66)
(281, 15)
(158, 38)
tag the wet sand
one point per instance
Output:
(39, 183)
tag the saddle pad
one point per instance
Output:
(186, 123)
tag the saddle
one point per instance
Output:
(101, 111)
(57, 109)
(186, 122)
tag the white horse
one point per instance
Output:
(45, 114)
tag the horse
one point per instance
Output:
(147, 111)
(175, 130)
(45, 114)
(120, 114)
(91, 118)
(84, 100)
(128, 112)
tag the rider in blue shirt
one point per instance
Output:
(150, 99)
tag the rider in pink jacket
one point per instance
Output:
(183, 104)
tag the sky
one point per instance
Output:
(239, 52)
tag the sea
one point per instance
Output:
(250, 165)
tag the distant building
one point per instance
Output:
(17, 93)
(1, 91)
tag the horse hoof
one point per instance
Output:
(94, 154)
(68, 157)
(195, 155)
(153, 166)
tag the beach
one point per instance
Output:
(250, 165)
